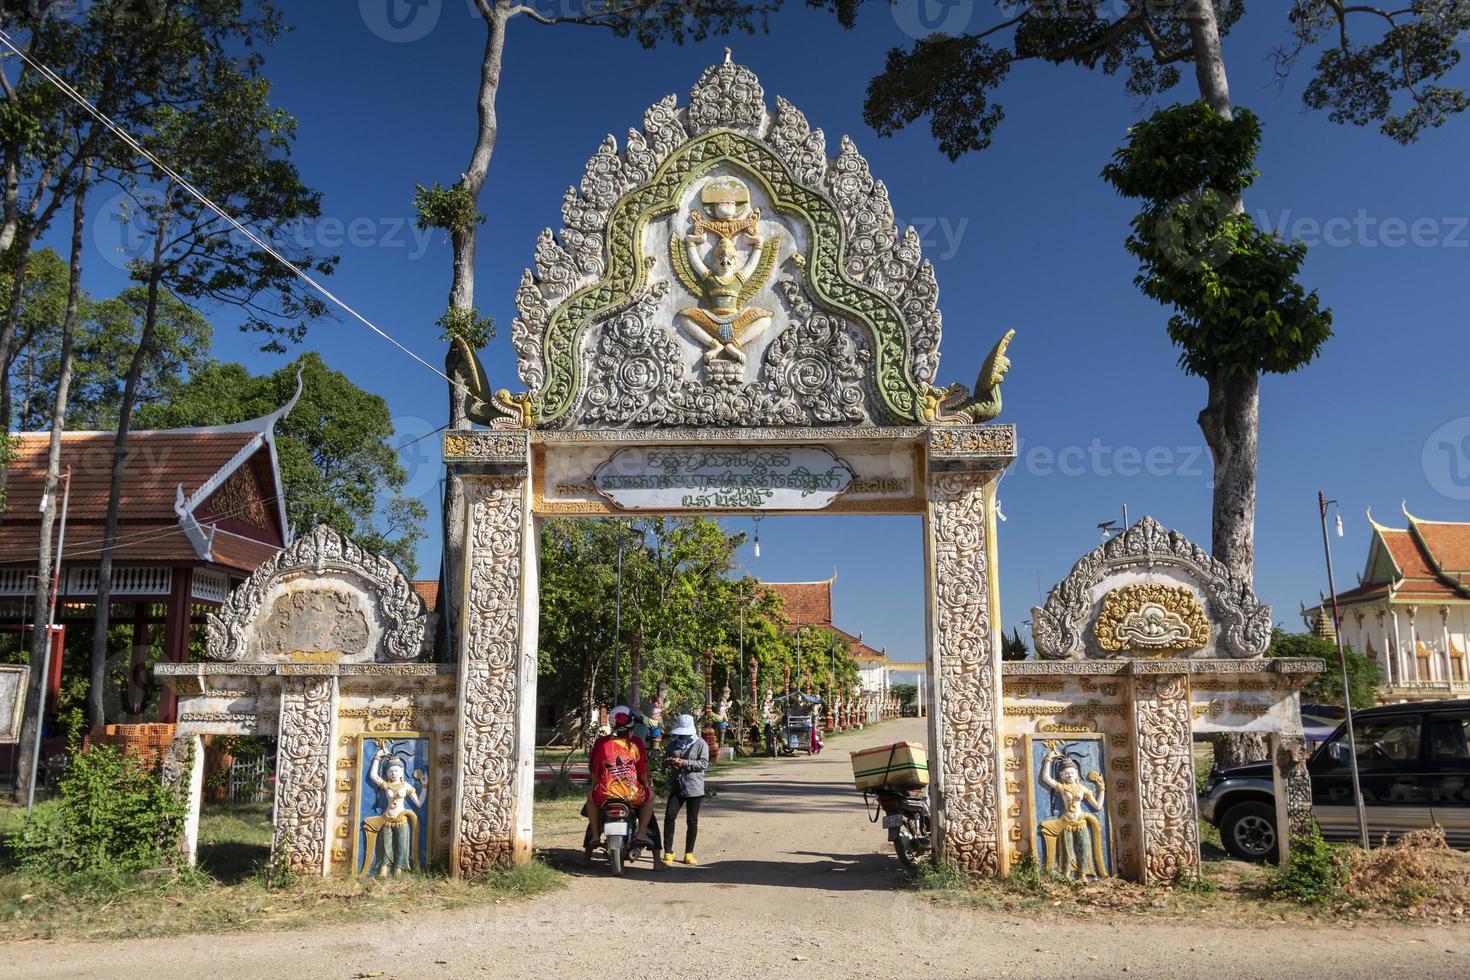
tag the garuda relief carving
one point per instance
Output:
(724, 321)
(693, 295)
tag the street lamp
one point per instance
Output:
(1347, 698)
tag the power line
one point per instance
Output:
(122, 134)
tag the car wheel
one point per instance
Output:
(1249, 831)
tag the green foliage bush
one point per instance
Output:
(1314, 874)
(113, 813)
(1326, 687)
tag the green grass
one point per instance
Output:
(233, 889)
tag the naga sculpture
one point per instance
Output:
(957, 405)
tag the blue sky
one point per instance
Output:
(1024, 235)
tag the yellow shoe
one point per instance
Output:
(689, 859)
(668, 858)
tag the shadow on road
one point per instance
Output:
(830, 872)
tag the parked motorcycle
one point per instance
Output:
(619, 821)
(905, 815)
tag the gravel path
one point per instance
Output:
(796, 883)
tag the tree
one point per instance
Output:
(112, 331)
(1326, 687)
(65, 358)
(337, 466)
(455, 208)
(1239, 310)
(33, 358)
(133, 60)
(1392, 77)
(1013, 647)
(234, 145)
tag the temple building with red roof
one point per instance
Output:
(201, 508)
(1410, 611)
(810, 604)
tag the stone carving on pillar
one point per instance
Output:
(1289, 758)
(489, 678)
(967, 670)
(303, 771)
(1182, 579)
(1165, 771)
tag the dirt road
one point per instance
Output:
(796, 883)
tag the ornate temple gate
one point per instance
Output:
(729, 323)
(946, 476)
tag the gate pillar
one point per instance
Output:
(963, 610)
(495, 753)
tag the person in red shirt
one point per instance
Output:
(619, 769)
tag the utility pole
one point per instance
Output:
(50, 632)
(1347, 698)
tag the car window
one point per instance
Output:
(1449, 739)
(1389, 743)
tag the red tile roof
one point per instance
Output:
(149, 528)
(1432, 558)
(808, 603)
(428, 590)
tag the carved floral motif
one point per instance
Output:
(868, 275)
(1151, 618)
(1289, 755)
(303, 773)
(490, 676)
(400, 610)
(1242, 624)
(1165, 772)
(969, 676)
(239, 498)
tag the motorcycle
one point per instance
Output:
(905, 815)
(619, 821)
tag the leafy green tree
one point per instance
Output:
(1326, 687)
(907, 694)
(37, 340)
(111, 332)
(1013, 647)
(1374, 65)
(235, 147)
(681, 596)
(133, 60)
(337, 466)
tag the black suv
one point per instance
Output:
(1413, 763)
